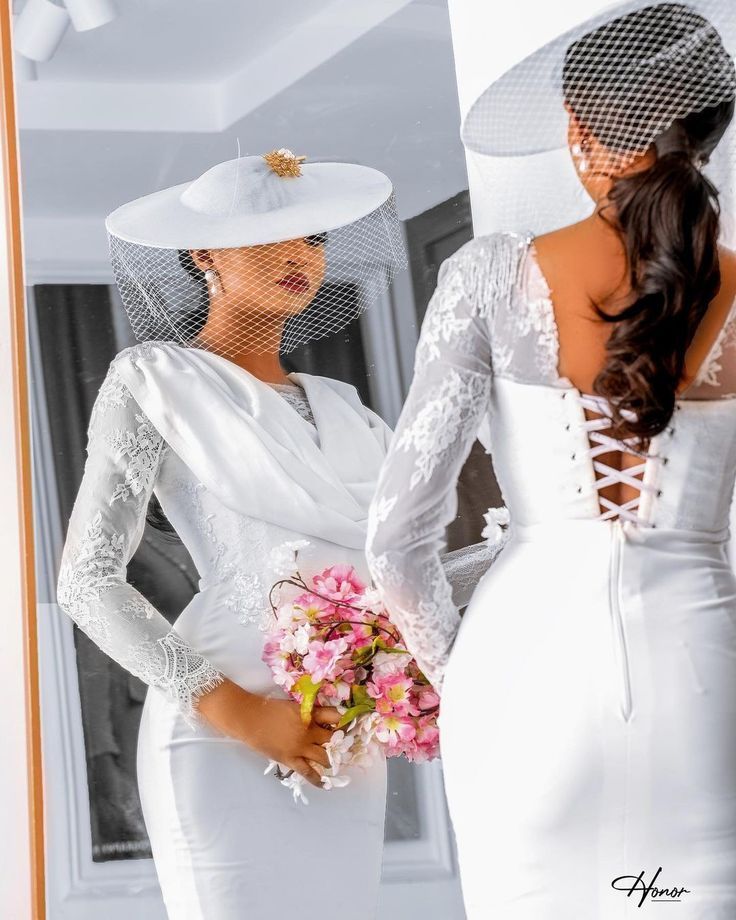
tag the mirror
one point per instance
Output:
(139, 100)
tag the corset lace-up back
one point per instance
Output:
(487, 365)
(607, 475)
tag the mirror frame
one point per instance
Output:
(24, 871)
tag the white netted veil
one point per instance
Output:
(628, 73)
(265, 252)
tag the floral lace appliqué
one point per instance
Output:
(113, 394)
(92, 568)
(247, 588)
(141, 447)
(709, 373)
(435, 429)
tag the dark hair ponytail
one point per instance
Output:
(157, 519)
(668, 216)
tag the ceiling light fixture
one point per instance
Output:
(90, 14)
(39, 29)
(41, 24)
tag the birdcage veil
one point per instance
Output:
(259, 254)
(627, 75)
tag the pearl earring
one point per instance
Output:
(212, 277)
(581, 162)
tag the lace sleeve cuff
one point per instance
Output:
(187, 675)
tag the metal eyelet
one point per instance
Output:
(580, 489)
(564, 395)
(665, 461)
(659, 492)
(567, 427)
(572, 456)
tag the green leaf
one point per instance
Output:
(353, 713)
(365, 654)
(309, 690)
(391, 649)
(361, 697)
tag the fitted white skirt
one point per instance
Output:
(230, 843)
(588, 727)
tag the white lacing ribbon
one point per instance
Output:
(604, 443)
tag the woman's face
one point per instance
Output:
(277, 279)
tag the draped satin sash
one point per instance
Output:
(253, 450)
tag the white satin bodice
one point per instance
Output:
(540, 460)
(238, 555)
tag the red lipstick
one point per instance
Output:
(296, 282)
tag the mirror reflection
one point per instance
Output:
(219, 347)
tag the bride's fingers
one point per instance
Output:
(302, 765)
(326, 715)
(319, 735)
(315, 752)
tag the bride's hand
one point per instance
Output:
(273, 727)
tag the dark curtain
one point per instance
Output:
(77, 343)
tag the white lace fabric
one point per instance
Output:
(296, 398)
(490, 316)
(124, 452)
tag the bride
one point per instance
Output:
(588, 695)
(253, 468)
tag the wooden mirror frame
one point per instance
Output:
(22, 854)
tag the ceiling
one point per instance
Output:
(172, 86)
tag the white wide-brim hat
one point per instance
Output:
(522, 112)
(245, 202)
(341, 239)
(643, 76)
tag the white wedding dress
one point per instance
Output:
(588, 694)
(247, 474)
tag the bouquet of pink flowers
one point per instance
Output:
(333, 644)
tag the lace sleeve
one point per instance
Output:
(105, 528)
(416, 494)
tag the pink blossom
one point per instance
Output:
(288, 614)
(360, 634)
(335, 691)
(324, 632)
(427, 699)
(323, 659)
(392, 694)
(296, 641)
(428, 734)
(339, 583)
(392, 729)
(272, 649)
(314, 607)
(387, 664)
(284, 675)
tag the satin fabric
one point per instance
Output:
(588, 720)
(247, 474)
(236, 433)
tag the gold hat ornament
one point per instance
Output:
(284, 163)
